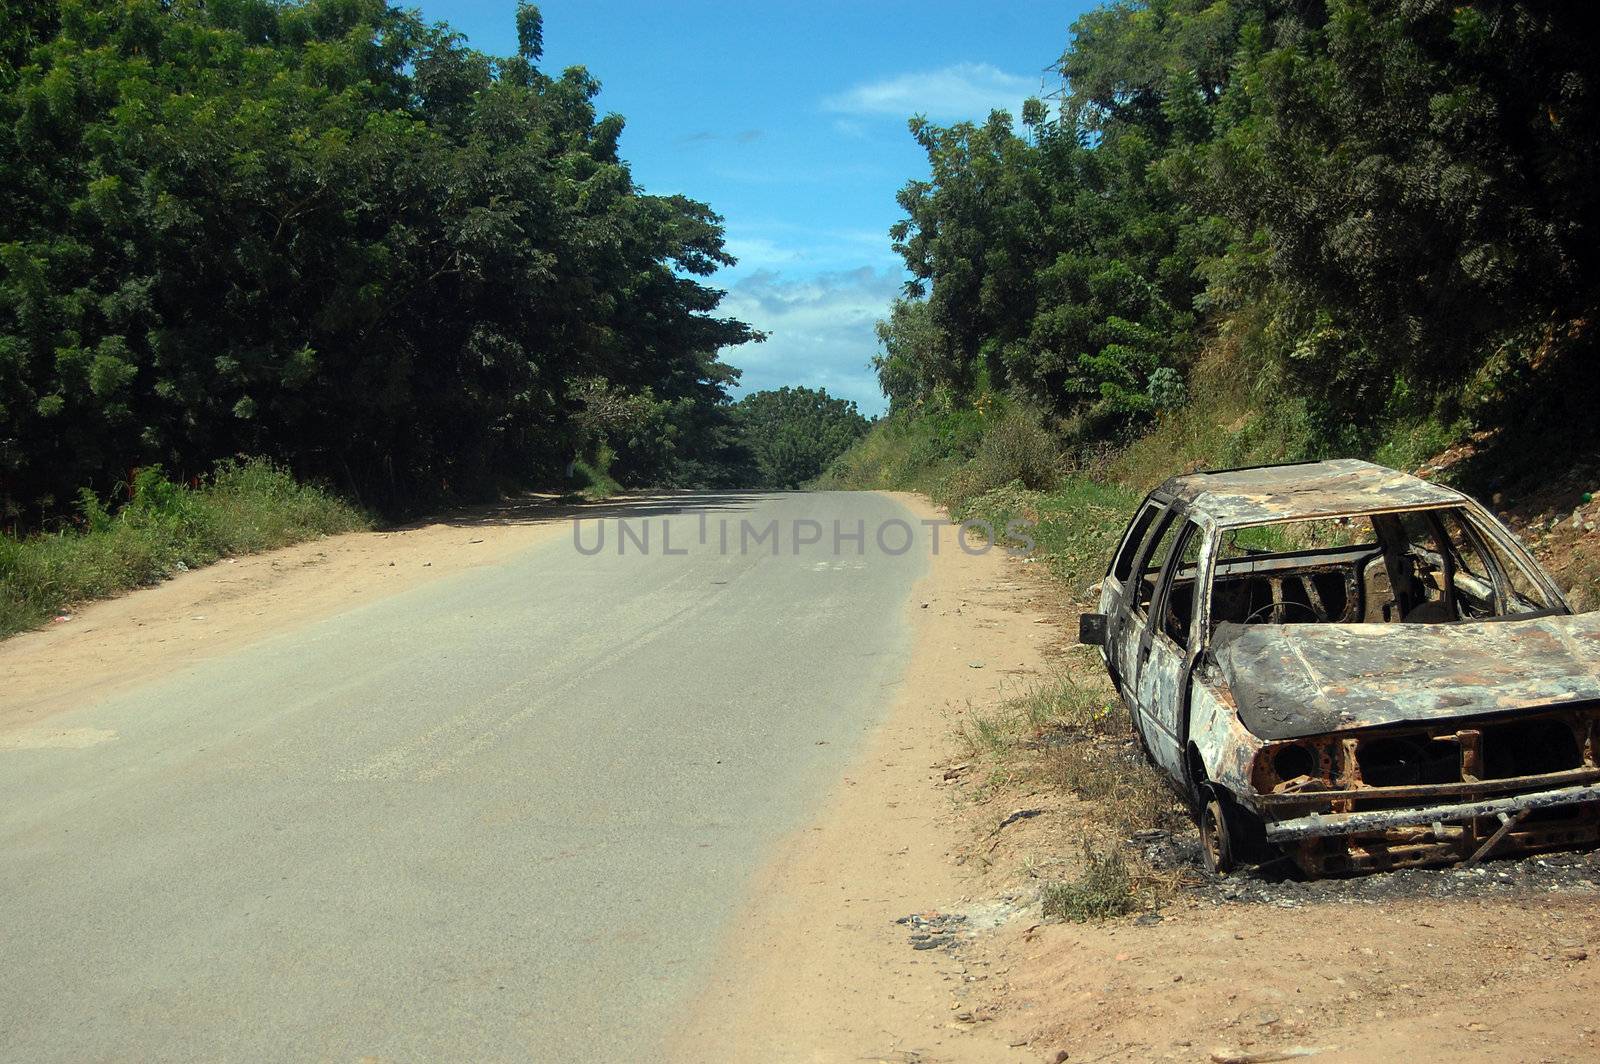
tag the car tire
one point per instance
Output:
(1218, 834)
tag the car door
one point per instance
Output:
(1133, 624)
(1477, 592)
(1522, 587)
(1162, 657)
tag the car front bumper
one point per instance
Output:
(1375, 839)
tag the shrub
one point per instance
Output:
(244, 507)
(1017, 448)
(598, 483)
(1103, 890)
(908, 452)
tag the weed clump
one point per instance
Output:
(1125, 792)
(1017, 451)
(1103, 889)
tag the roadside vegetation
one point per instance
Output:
(1362, 227)
(1250, 232)
(163, 528)
(1245, 233)
(994, 463)
(1070, 735)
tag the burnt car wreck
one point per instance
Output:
(1351, 667)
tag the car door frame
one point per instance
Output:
(1167, 743)
(1118, 593)
(1126, 678)
(1487, 525)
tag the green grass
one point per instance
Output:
(909, 452)
(242, 508)
(595, 473)
(1104, 889)
(1408, 444)
(1076, 524)
(1072, 701)
(597, 483)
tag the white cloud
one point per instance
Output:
(759, 253)
(706, 136)
(766, 244)
(820, 331)
(960, 91)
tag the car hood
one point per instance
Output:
(1305, 679)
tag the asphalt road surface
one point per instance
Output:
(502, 816)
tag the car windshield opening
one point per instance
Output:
(1426, 566)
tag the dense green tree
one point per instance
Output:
(330, 233)
(1059, 262)
(1400, 189)
(793, 434)
(1423, 177)
(914, 364)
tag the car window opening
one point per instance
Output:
(1432, 566)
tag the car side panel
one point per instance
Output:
(1160, 698)
(1124, 628)
(1116, 605)
(1226, 749)
(1164, 673)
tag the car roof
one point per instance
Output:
(1306, 490)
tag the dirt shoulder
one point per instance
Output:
(816, 967)
(106, 646)
(1464, 979)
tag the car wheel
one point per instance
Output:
(1217, 834)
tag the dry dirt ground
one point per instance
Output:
(103, 646)
(1502, 963)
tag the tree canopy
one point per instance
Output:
(1390, 193)
(327, 232)
(793, 434)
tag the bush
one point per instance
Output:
(1016, 449)
(244, 507)
(598, 483)
(908, 452)
(1103, 890)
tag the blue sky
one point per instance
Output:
(789, 119)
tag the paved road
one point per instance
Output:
(500, 817)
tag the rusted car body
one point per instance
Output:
(1353, 667)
